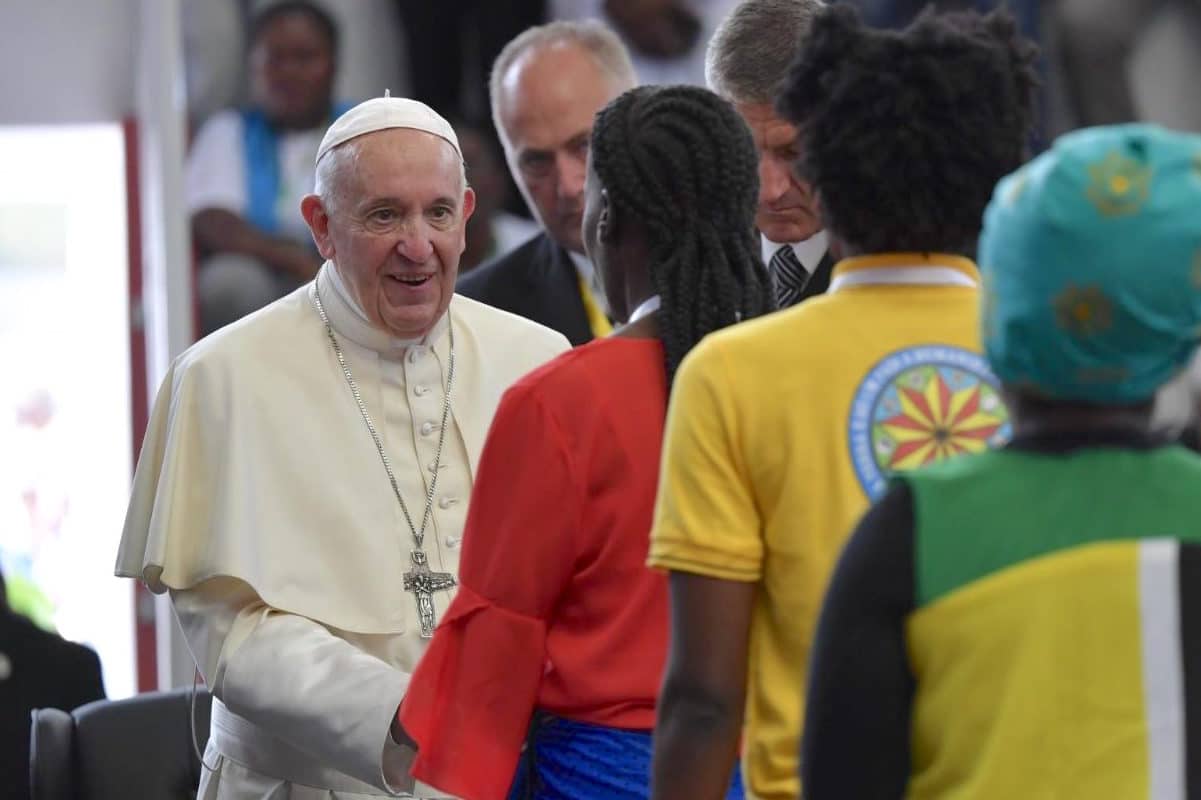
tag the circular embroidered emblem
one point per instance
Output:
(921, 405)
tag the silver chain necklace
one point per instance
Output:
(419, 580)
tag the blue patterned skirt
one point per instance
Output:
(569, 760)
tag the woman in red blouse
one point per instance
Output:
(557, 637)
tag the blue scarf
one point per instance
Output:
(260, 143)
(569, 760)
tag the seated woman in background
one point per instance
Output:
(558, 635)
(1025, 622)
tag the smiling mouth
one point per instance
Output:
(412, 280)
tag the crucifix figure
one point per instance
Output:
(423, 583)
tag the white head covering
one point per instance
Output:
(381, 113)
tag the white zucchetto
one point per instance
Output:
(381, 113)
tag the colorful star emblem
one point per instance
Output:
(919, 405)
(1118, 185)
(937, 420)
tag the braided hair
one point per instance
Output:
(681, 161)
(906, 134)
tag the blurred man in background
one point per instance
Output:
(547, 85)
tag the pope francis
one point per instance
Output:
(303, 485)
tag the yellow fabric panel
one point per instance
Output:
(597, 321)
(1030, 683)
(757, 482)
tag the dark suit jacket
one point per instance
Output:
(536, 281)
(37, 670)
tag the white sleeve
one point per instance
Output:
(216, 169)
(295, 679)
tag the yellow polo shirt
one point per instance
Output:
(779, 432)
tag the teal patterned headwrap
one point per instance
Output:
(1091, 258)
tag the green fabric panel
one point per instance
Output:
(975, 515)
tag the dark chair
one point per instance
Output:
(118, 749)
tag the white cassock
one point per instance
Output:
(261, 504)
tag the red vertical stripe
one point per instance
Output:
(139, 407)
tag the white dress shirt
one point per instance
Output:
(809, 252)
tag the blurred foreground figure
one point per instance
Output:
(1025, 622)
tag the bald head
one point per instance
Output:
(602, 45)
(547, 86)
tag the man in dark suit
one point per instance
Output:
(37, 670)
(546, 87)
(747, 62)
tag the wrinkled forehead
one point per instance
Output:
(404, 152)
(390, 164)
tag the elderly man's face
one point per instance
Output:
(396, 229)
(787, 206)
(548, 100)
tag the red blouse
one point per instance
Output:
(556, 609)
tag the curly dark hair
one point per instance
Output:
(906, 134)
(681, 161)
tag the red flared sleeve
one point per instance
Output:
(473, 693)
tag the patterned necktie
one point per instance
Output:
(789, 275)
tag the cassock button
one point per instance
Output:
(427, 428)
(415, 354)
(421, 391)
(447, 502)
(453, 541)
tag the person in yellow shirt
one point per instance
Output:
(1024, 623)
(783, 429)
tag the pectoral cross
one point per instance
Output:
(423, 583)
